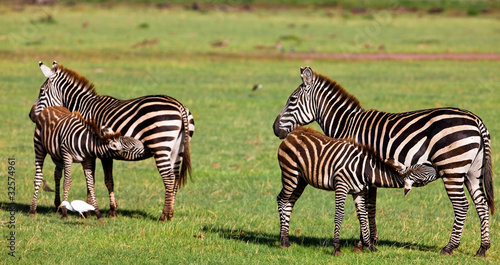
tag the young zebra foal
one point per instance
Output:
(68, 138)
(341, 165)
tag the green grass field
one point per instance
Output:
(227, 212)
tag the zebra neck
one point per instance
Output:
(90, 105)
(102, 149)
(93, 145)
(85, 144)
(343, 115)
(388, 178)
(80, 102)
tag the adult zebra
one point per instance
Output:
(162, 123)
(307, 157)
(69, 138)
(454, 141)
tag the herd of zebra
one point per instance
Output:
(359, 151)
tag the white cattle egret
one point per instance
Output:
(78, 206)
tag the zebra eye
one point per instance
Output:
(115, 146)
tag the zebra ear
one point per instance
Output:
(47, 72)
(307, 76)
(106, 130)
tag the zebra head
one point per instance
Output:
(49, 95)
(124, 147)
(300, 108)
(132, 148)
(421, 175)
(417, 175)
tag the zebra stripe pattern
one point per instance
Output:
(426, 173)
(162, 123)
(455, 141)
(68, 138)
(340, 165)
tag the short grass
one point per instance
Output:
(140, 29)
(227, 213)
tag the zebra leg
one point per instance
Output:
(66, 184)
(90, 166)
(39, 159)
(57, 179)
(163, 163)
(107, 166)
(176, 173)
(359, 202)
(89, 171)
(474, 186)
(455, 190)
(371, 207)
(340, 195)
(289, 194)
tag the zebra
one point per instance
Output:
(67, 138)
(455, 141)
(419, 178)
(162, 123)
(341, 165)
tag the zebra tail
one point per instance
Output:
(488, 171)
(186, 154)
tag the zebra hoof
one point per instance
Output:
(164, 217)
(446, 251)
(98, 214)
(64, 217)
(336, 247)
(285, 242)
(32, 215)
(357, 249)
(481, 252)
(372, 248)
(112, 214)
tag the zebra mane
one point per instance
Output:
(79, 80)
(94, 128)
(337, 88)
(366, 149)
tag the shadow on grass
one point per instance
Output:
(47, 210)
(272, 240)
